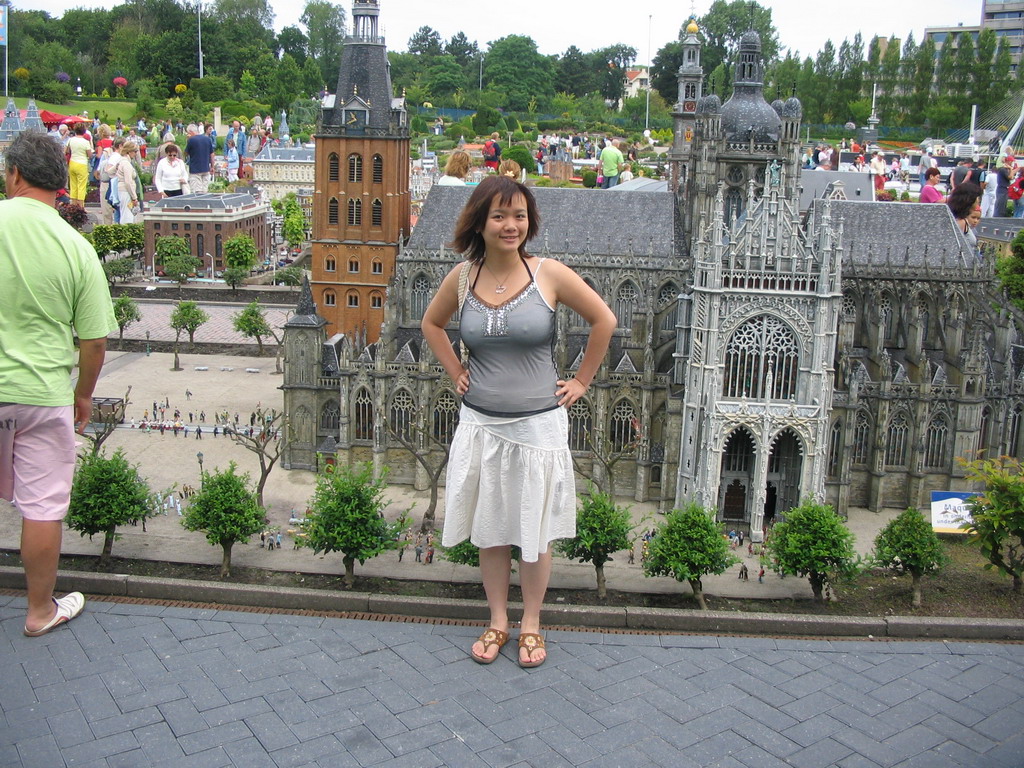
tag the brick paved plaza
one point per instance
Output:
(141, 685)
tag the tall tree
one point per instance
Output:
(889, 82)
(612, 63)
(664, 68)
(1001, 78)
(959, 86)
(825, 70)
(813, 542)
(325, 30)
(292, 41)
(575, 74)
(908, 545)
(126, 312)
(445, 77)
(908, 66)
(515, 68)
(851, 76)
(983, 73)
(723, 26)
(467, 54)
(924, 71)
(426, 43)
(287, 83)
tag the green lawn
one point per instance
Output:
(110, 109)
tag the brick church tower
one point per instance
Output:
(361, 202)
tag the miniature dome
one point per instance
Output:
(692, 27)
(778, 106)
(746, 115)
(709, 105)
(793, 109)
(751, 38)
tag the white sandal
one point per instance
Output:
(68, 607)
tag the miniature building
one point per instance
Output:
(763, 355)
(361, 201)
(206, 221)
(280, 170)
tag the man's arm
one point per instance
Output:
(90, 360)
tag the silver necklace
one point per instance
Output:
(499, 287)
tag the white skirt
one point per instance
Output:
(510, 481)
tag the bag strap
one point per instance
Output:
(464, 283)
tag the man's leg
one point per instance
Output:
(40, 552)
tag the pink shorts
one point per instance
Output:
(37, 459)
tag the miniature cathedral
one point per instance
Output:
(763, 356)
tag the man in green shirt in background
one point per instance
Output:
(611, 159)
(51, 287)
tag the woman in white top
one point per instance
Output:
(127, 195)
(171, 173)
(455, 170)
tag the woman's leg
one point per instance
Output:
(533, 579)
(495, 569)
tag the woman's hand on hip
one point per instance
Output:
(570, 391)
(462, 382)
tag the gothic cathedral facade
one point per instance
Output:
(764, 354)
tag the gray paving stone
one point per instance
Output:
(756, 757)
(824, 753)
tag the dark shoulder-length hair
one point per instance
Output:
(467, 239)
(962, 199)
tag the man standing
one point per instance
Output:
(611, 159)
(878, 170)
(199, 150)
(52, 285)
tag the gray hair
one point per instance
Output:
(39, 159)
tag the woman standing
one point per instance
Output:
(171, 175)
(455, 170)
(126, 176)
(80, 149)
(510, 475)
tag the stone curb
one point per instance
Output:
(665, 619)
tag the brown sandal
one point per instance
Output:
(531, 641)
(489, 638)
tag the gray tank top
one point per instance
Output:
(511, 366)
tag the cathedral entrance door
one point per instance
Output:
(735, 505)
(736, 476)
(785, 466)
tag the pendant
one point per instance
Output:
(499, 289)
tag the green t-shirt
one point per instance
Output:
(611, 159)
(51, 283)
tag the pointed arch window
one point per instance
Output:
(626, 303)
(623, 425)
(668, 304)
(733, 206)
(377, 213)
(936, 453)
(402, 405)
(378, 169)
(924, 320)
(363, 415)
(446, 416)
(983, 431)
(861, 439)
(355, 168)
(739, 452)
(897, 440)
(834, 444)
(355, 212)
(419, 297)
(886, 318)
(581, 421)
(1013, 447)
(330, 417)
(761, 360)
(332, 211)
(333, 167)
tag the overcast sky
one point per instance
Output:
(555, 26)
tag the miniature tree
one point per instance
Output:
(812, 542)
(346, 514)
(240, 252)
(126, 312)
(468, 553)
(188, 317)
(909, 545)
(997, 513)
(177, 260)
(290, 276)
(252, 323)
(602, 529)
(294, 229)
(688, 546)
(265, 442)
(107, 493)
(433, 471)
(226, 510)
(235, 276)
